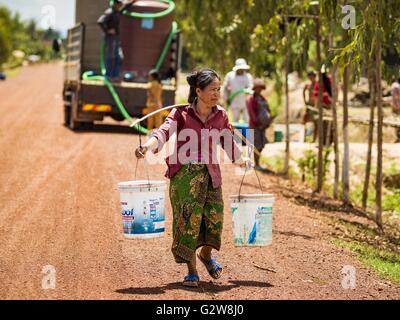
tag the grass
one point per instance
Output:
(380, 252)
(356, 193)
(391, 201)
(384, 262)
(275, 163)
(10, 73)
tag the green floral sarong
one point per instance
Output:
(198, 211)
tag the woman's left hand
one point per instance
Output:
(140, 152)
(247, 164)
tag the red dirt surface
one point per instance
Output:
(60, 207)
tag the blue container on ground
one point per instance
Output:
(244, 130)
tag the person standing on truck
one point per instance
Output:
(154, 100)
(109, 23)
(195, 188)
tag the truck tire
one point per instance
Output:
(72, 123)
(67, 115)
(118, 117)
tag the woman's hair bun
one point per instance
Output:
(192, 79)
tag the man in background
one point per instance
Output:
(236, 81)
(310, 116)
(109, 23)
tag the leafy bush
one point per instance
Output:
(391, 201)
(308, 165)
(16, 34)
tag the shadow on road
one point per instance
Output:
(204, 287)
(321, 203)
(294, 234)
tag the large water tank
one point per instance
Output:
(143, 40)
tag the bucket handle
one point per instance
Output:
(258, 178)
(147, 173)
(137, 162)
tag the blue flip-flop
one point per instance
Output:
(191, 280)
(212, 266)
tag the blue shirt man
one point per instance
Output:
(109, 23)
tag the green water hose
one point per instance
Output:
(156, 15)
(89, 75)
(236, 93)
(168, 43)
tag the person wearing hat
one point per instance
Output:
(260, 119)
(109, 23)
(235, 84)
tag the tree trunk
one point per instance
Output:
(320, 115)
(372, 81)
(335, 133)
(346, 156)
(287, 149)
(378, 185)
(335, 122)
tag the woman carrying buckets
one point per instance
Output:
(195, 178)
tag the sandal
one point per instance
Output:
(212, 266)
(191, 280)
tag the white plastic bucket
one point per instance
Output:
(142, 204)
(252, 219)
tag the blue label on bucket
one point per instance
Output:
(138, 225)
(252, 225)
(142, 210)
(149, 219)
(253, 235)
(128, 213)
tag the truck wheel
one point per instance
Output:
(118, 117)
(67, 115)
(72, 123)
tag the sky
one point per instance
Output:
(58, 14)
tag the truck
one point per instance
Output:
(149, 40)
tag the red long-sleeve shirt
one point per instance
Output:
(326, 98)
(197, 140)
(253, 105)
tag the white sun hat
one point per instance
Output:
(241, 64)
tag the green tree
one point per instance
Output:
(5, 39)
(379, 24)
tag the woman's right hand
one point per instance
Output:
(140, 152)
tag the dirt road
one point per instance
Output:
(60, 208)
